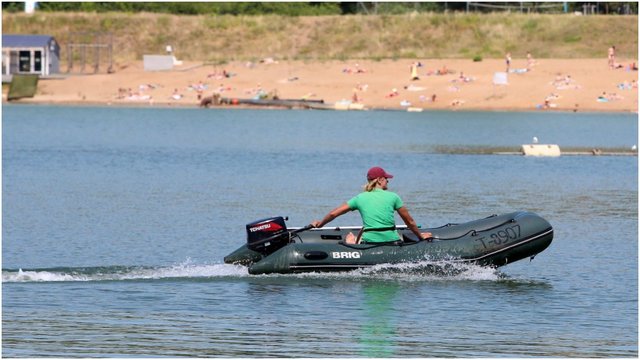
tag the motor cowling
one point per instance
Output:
(267, 235)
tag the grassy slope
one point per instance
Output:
(422, 36)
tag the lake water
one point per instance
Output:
(115, 222)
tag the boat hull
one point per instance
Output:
(493, 241)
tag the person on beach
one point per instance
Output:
(530, 61)
(508, 61)
(612, 57)
(176, 95)
(376, 206)
(393, 93)
(414, 71)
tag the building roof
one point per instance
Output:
(25, 40)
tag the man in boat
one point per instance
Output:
(376, 206)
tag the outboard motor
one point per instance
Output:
(268, 235)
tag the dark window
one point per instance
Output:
(25, 61)
(37, 61)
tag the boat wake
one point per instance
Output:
(436, 270)
(427, 270)
(120, 273)
(442, 270)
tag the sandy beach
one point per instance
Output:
(546, 85)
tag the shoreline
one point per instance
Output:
(168, 105)
(557, 85)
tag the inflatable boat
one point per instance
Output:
(493, 241)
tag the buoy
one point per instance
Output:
(541, 150)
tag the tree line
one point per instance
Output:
(323, 8)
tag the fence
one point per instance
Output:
(89, 48)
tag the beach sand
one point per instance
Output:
(564, 84)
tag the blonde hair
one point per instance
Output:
(370, 185)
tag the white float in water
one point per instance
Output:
(541, 149)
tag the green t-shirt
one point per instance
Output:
(377, 208)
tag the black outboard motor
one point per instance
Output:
(268, 235)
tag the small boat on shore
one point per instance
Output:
(283, 103)
(270, 102)
(494, 241)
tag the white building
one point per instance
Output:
(30, 54)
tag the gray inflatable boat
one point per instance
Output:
(493, 241)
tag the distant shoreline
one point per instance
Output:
(168, 105)
(566, 85)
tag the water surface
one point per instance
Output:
(116, 220)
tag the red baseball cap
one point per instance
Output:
(377, 172)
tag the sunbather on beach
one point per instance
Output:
(443, 70)
(412, 87)
(552, 96)
(393, 93)
(565, 82)
(361, 87)
(176, 95)
(457, 102)
(356, 70)
(462, 78)
(606, 97)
